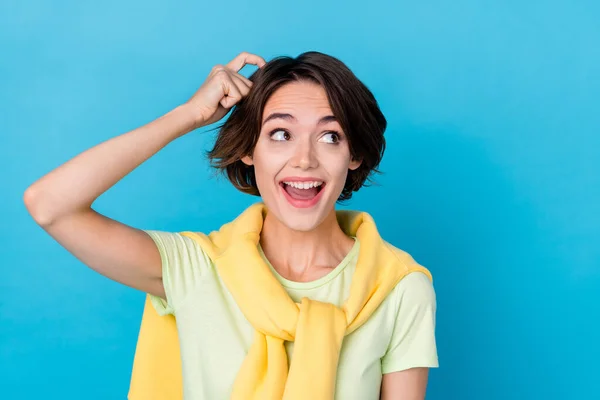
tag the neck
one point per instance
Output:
(304, 256)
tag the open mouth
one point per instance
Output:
(302, 194)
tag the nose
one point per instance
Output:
(304, 156)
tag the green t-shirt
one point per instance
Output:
(215, 336)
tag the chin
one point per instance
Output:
(301, 223)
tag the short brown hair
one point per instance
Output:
(352, 103)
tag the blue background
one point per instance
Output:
(492, 173)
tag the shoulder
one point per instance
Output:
(175, 242)
(180, 251)
(415, 288)
(179, 239)
(184, 265)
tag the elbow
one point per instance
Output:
(34, 205)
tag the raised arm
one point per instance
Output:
(61, 201)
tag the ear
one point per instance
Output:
(247, 160)
(354, 164)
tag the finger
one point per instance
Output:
(232, 94)
(241, 84)
(217, 69)
(247, 81)
(245, 58)
(223, 69)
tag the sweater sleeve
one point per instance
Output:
(413, 342)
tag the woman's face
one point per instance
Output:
(302, 156)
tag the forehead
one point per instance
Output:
(298, 98)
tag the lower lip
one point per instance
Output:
(303, 203)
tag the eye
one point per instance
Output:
(330, 137)
(280, 135)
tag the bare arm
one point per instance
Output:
(410, 384)
(61, 201)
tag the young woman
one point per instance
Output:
(293, 299)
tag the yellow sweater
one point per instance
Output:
(265, 373)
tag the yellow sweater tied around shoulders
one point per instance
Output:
(317, 328)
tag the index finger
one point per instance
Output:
(245, 58)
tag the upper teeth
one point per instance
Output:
(304, 185)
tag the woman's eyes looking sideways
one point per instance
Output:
(281, 135)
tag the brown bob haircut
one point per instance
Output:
(352, 103)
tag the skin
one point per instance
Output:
(303, 244)
(61, 201)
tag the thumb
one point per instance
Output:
(231, 94)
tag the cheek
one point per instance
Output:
(337, 160)
(271, 155)
(337, 169)
(341, 178)
(266, 166)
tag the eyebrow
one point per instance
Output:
(291, 118)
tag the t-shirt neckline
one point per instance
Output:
(318, 282)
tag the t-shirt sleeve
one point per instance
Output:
(183, 265)
(413, 341)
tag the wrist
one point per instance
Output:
(191, 118)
